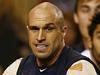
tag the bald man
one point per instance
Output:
(46, 31)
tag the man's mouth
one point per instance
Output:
(41, 47)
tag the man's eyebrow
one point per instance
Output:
(50, 25)
(33, 27)
(84, 6)
(97, 32)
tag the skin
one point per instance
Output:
(46, 33)
(84, 14)
(95, 42)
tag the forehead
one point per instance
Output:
(42, 17)
(41, 22)
(88, 1)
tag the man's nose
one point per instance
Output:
(41, 36)
(91, 15)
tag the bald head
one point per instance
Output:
(46, 30)
(46, 11)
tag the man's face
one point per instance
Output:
(85, 12)
(45, 36)
(96, 44)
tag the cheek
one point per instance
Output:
(83, 24)
(58, 40)
(96, 46)
(55, 38)
(83, 19)
(31, 37)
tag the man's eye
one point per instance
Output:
(85, 10)
(98, 36)
(49, 28)
(98, 9)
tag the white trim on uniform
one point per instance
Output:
(12, 69)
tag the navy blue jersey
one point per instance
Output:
(68, 56)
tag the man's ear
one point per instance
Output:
(65, 27)
(76, 18)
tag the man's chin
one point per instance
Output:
(42, 56)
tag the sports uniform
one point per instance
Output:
(69, 62)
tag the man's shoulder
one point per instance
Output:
(72, 54)
(82, 67)
(79, 62)
(12, 69)
(87, 53)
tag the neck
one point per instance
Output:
(85, 42)
(96, 62)
(43, 63)
(98, 65)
